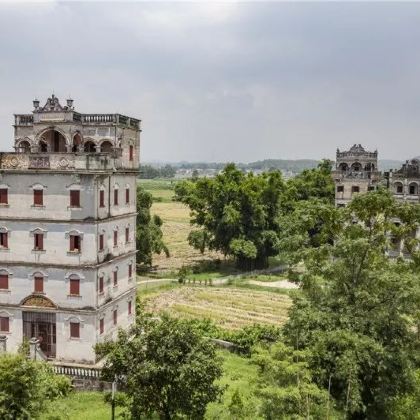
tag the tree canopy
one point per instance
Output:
(149, 236)
(166, 367)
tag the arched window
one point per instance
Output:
(413, 188)
(89, 147)
(24, 147)
(77, 141)
(106, 147)
(343, 166)
(356, 166)
(398, 188)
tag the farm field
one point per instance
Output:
(176, 228)
(228, 307)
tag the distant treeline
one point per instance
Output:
(156, 170)
(151, 172)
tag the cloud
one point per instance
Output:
(224, 81)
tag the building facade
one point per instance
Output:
(356, 171)
(67, 230)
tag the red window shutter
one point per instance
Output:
(38, 197)
(39, 241)
(127, 195)
(74, 330)
(72, 242)
(39, 284)
(130, 270)
(116, 197)
(102, 198)
(3, 196)
(4, 324)
(115, 238)
(74, 198)
(115, 278)
(127, 235)
(115, 316)
(101, 284)
(74, 287)
(101, 242)
(129, 307)
(131, 152)
(4, 240)
(4, 281)
(101, 326)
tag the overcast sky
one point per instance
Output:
(224, 81)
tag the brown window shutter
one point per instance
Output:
(74, 287)
(129, 307)
(101, 242)
(115, 316)
(4, 281)
(127, 195)
(116, 197)
(39, 284)
(3, 196)
(74, 330)
(101, 326)
(115, 278)
(130, 270)
(131, 152)
(4, 324)
(101, 198)
(4, 240)
(72, 242)
(74, 198)
(115, 238)
(38, 197)
(101, 284)
(127, 235)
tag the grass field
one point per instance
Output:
(238, 374)
(228, 307)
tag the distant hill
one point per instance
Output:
(285, 165)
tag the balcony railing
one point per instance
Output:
(24, 119)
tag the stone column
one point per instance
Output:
(3, 343)
(33, 346)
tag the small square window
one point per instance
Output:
(74, 330)
(74, 287)
(39, 284)
(102, 198)
(75, 243)
(4, 243)
(101, 284)
(355, 189)
(116, 197)
(74, 198)
(38, 197)
(38, 241)
(4, 199)
(4, 282)
(340, 188)
(4, 324)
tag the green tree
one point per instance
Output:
(149, 236)
(286, 386)
(236, 214)
(358, 312)
(167, 366)
(26, 386)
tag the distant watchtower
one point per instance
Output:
(356, 172)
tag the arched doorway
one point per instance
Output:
(55, 140)
(77, 141)
(24, 147)
(89, 147)
(106, 147)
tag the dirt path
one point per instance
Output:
(281, 284)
